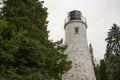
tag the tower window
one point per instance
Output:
(76, 29)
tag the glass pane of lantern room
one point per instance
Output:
(77, 15)
(72, 15)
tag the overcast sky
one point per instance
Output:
(100, 15)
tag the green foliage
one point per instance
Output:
(115, 69)
(91, 52)
(25, 51)
(92, 58)
(112, 56)
(97, 69)
(113, 40)
(95, 66)
(102, 70)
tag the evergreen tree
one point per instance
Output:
(97, 69)
(91, 52)
(102, 70)
(112, 55)
(95, 66)
(25, 51)
(115, 69)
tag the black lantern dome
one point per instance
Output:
(75, 15)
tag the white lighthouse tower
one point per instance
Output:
(78, 52)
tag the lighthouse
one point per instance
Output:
(77, 51)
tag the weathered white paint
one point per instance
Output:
(78, 52)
